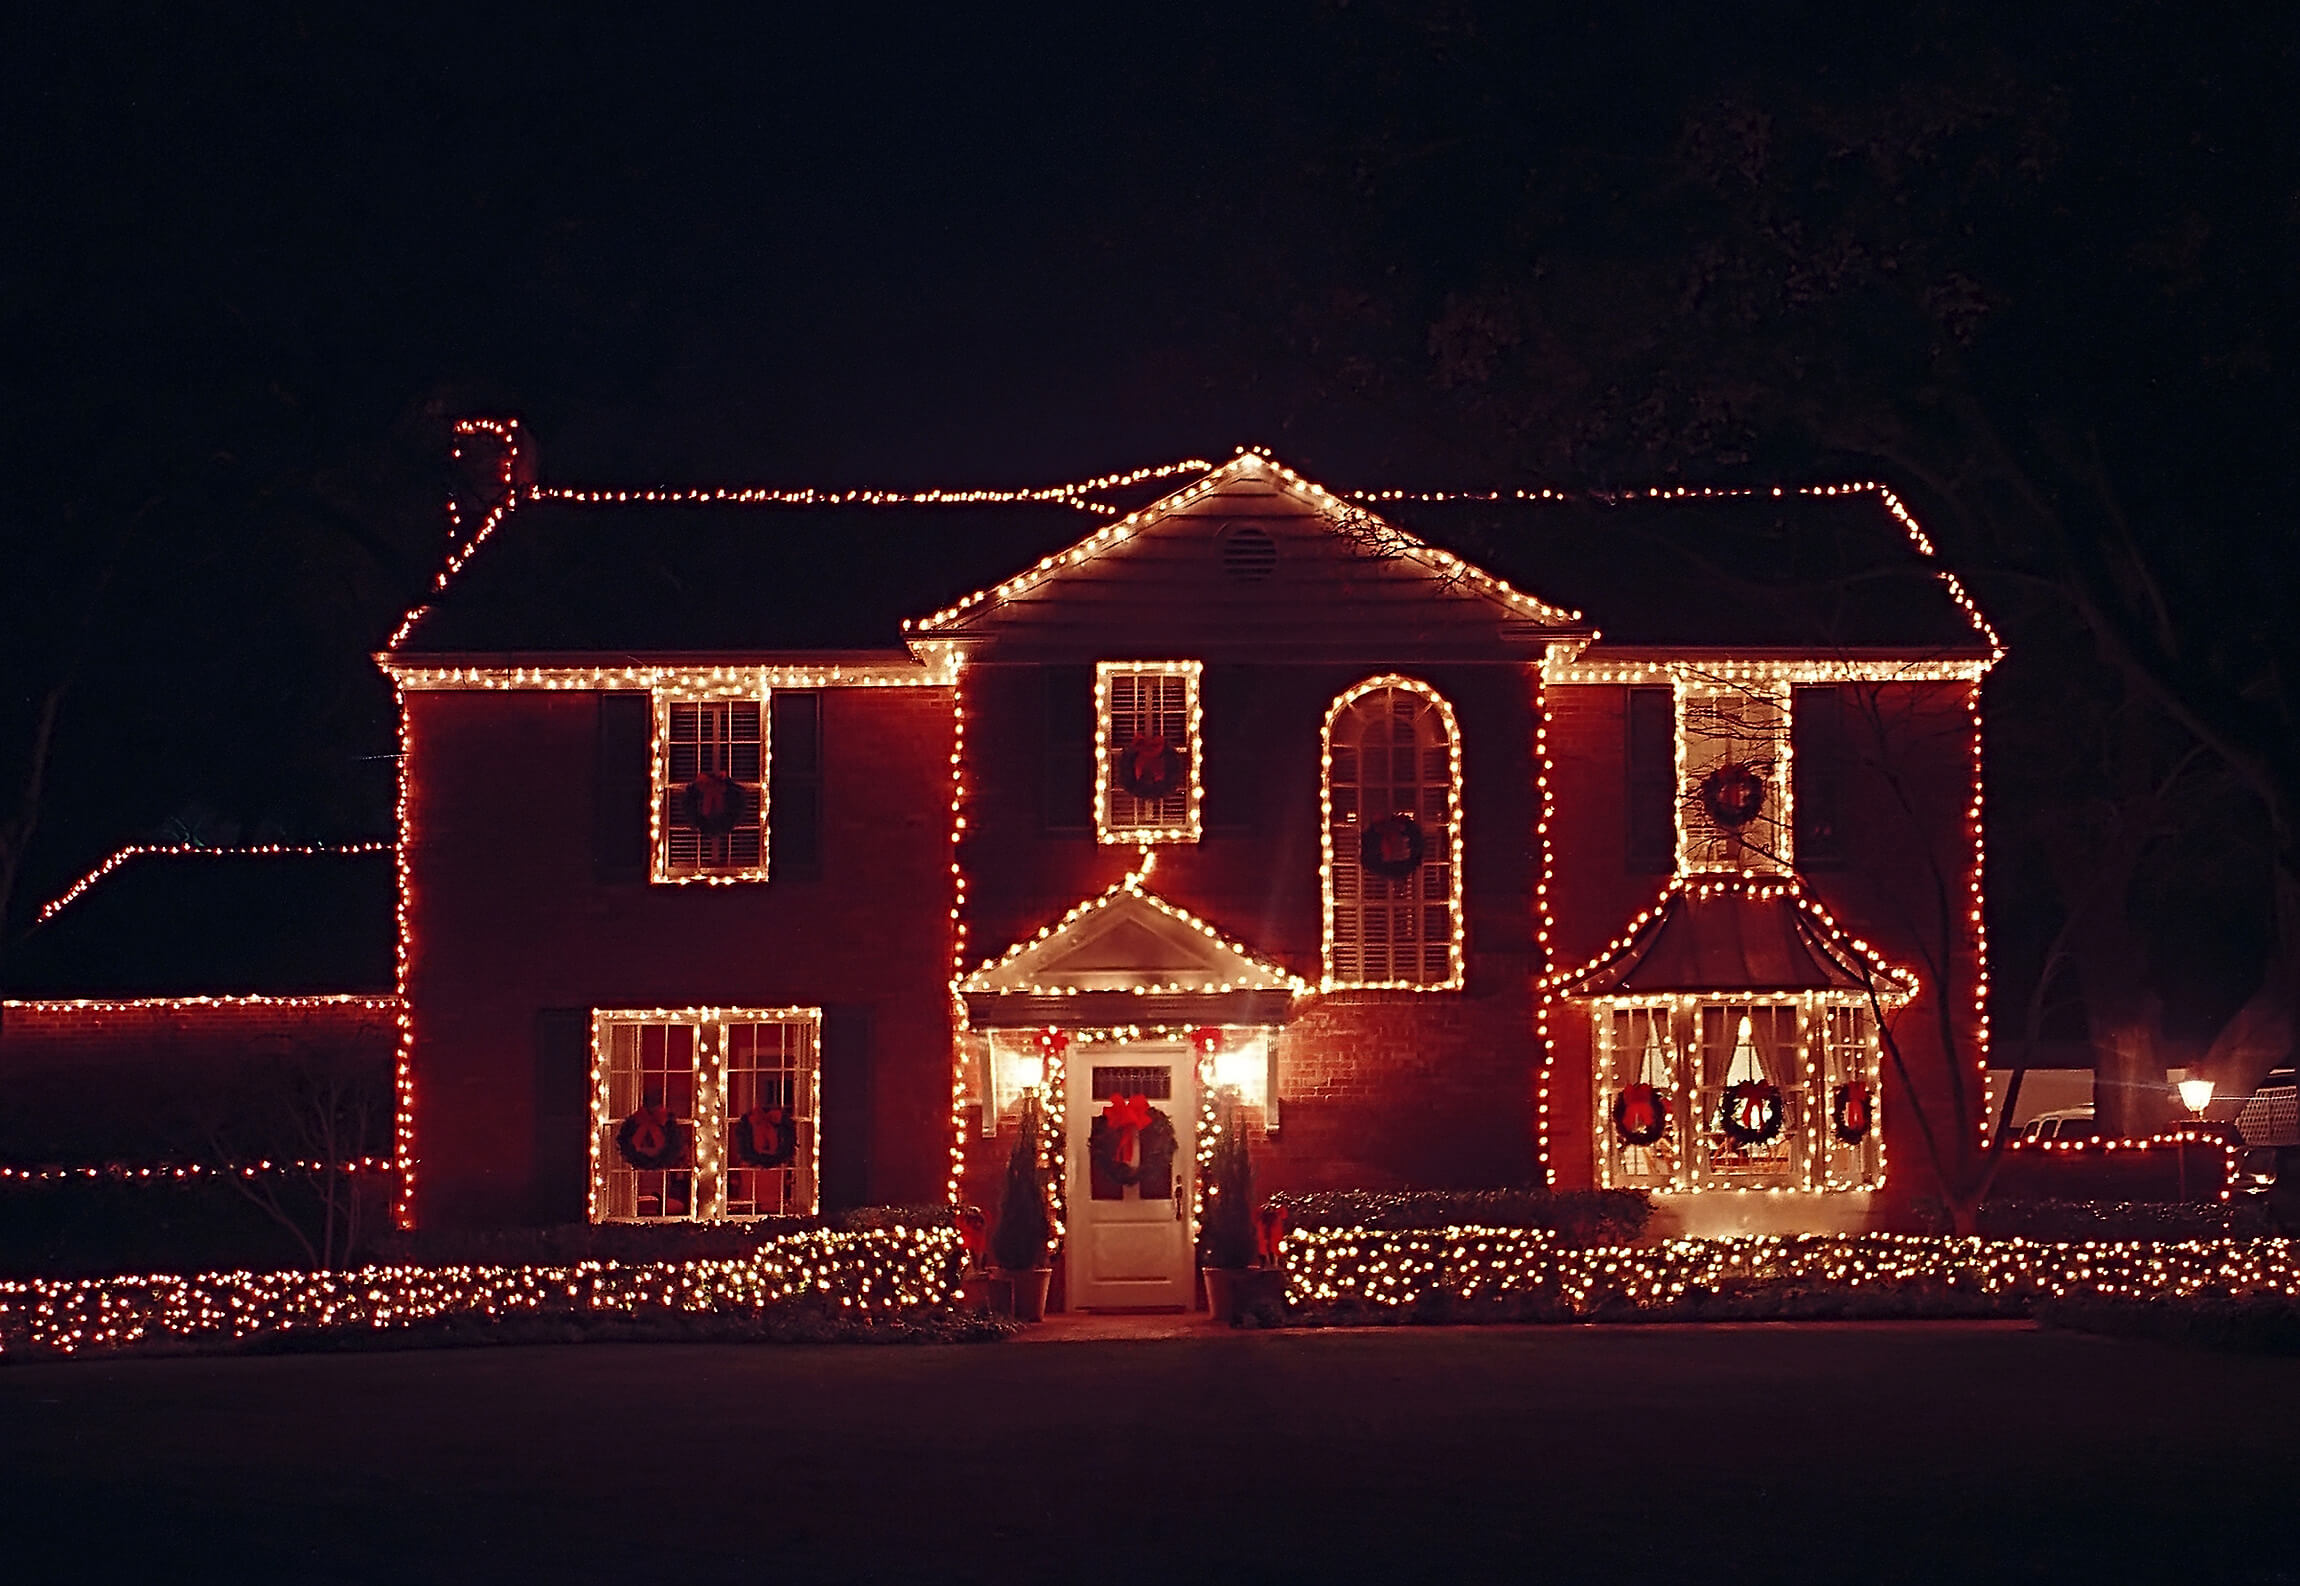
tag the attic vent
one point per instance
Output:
(1249, 555)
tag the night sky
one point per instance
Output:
(256, 258)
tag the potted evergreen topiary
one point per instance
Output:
(1230, 1246)
(1021, 1243)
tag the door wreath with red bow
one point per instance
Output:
(1392, 847)
(1131, 1142)
(764, 1137)
(651, 1140)
(1850, 1113)
(1641, 1114)
(1151, 769)
(1752, 1113)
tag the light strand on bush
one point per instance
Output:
(874, 1272)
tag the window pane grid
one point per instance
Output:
(708, 1073)
(714, 738)
(1157, 704)
(1391, 752)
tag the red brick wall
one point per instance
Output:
(1385, 1088)
(1915, 744)
(507, 919)
(129, 1081)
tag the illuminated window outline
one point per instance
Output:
(711, 1122)
(660, 866)
(1833, 1039)
(1699, 852)
(1331, 863)
(1119, 817)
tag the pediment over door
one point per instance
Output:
(1128, 957)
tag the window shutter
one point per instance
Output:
(1233, 735)
(794, 814)
(1818, 764)
(1649, 794)
(560, 1185)
(621, 790)
(1066, 783)
(845, 1115)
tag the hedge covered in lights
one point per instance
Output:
(878, 1273)
(1471, 1273)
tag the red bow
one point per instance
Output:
(1640, 1108)
(1128, 1116)
(651, 1135)
(1269, 1230)
(766, 1126)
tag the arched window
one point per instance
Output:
(1392, 846)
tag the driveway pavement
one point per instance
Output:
(1760, 1453)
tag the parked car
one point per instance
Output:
(2065, 1123)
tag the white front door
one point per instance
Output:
(1129, 1181)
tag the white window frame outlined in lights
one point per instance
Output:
(1342, 883)
(1720, 722)
(1120, 713)
(733, 1058)
(662, 867)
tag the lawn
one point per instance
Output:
(1875, 1452)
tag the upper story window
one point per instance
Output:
(1733, 777)
(711, 790)
(1146, 751)
(1392, 841)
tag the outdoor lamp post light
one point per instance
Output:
(2195, 1095)
(1029, 1073)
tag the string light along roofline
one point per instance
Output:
(1894, 984)
(132, 851)
(1082, 494)
(1324, 502)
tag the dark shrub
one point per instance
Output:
(1577, 1217)
(1227, 1237)
(1020, 1240)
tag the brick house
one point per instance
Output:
(749, 864)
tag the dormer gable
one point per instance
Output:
(1251, 560)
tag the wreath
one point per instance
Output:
(765, 1137)
(713, 803)
(1752, 1113)
(1641, 1114)
(1733, 793)
(1129, 1127)
(1849, 1112)
(1392, 847)
(1150, 768)
(652, 1140)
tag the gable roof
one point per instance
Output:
(1726, 934)
(188, 922)
(1251, 556)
